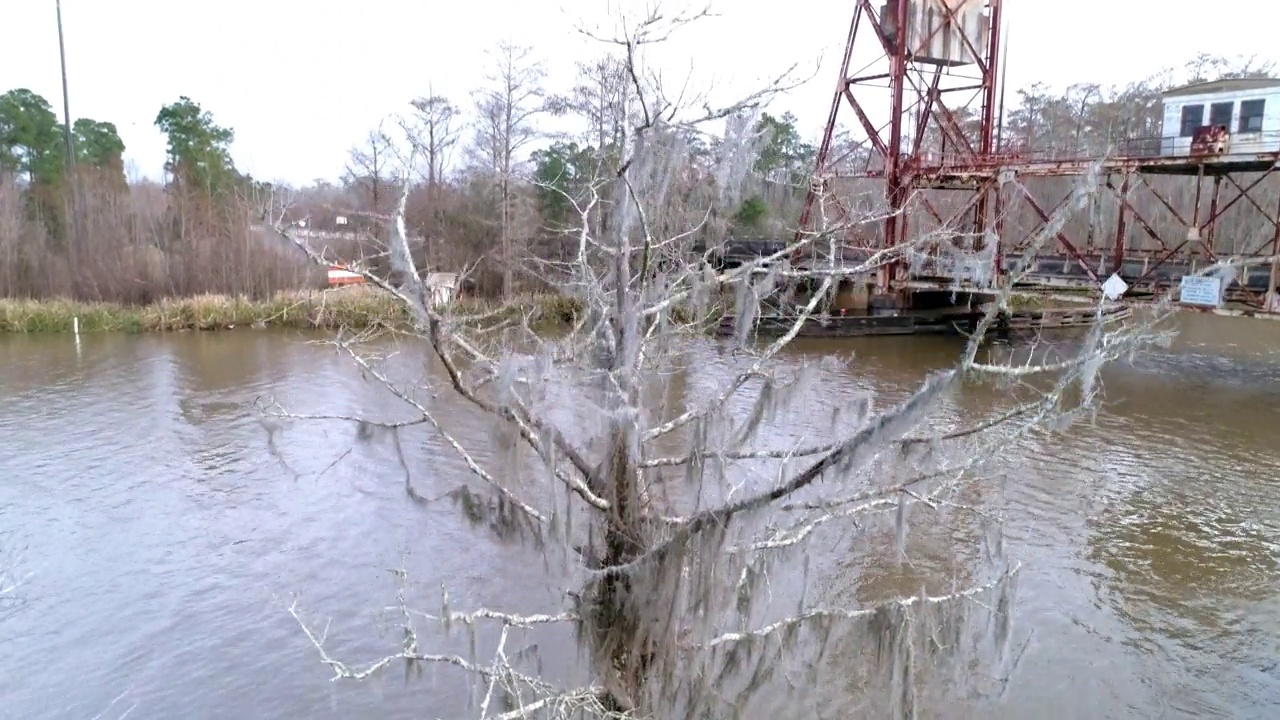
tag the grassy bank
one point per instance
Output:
(319, 310)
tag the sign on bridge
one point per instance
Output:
(1114, 287)
(1201, 291)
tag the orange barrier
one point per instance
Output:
(338, 275)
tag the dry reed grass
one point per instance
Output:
(298, 309)
(349, 307)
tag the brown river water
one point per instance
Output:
(161, 538)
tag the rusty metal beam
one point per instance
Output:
(1117, 257)
(1126, 205)
(1167, 205)
(1273, 281)
(824, 147)
(1243, 193)
(873, 133)
(1062, 238)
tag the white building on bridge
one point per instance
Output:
(1235, 117)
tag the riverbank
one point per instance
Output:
(355, 308)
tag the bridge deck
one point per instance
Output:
(969, 175)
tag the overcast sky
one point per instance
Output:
(300, 82)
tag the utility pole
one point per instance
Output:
(66, 97)
(73, 209)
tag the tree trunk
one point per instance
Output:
(507, 261)
(622, 643)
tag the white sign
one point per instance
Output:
(340, 220)
(1114, 287)
(1201, 290)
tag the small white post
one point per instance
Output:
(75, 326)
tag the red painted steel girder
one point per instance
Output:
(934, 66)
(936, 158)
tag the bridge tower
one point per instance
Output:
(933, 66)
(921, 84)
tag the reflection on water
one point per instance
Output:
(1187, 535)
(164, 536)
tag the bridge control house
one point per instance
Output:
(1236, 117)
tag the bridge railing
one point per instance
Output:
(1211, 141)
(1205, 142)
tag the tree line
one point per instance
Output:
(494, 188)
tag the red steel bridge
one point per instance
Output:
(940, 162)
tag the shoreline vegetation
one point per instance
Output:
(179, 252)
(352, 307)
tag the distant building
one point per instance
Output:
(1224, 117)
(443, 287)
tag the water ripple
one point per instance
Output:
(164, 535)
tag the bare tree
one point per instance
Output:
(370, 167)
(676, 519)
(433, 131)
(1205, 67)
(505, 125)
(436, 133)
(600, 99)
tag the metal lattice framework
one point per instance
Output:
(940, 160)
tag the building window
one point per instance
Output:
(1192, 119)
(1220, 114)
(1251, 112)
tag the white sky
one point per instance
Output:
(300, 82)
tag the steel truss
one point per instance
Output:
(938, 169)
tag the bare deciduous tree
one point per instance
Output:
(370, 167)
(436, 133)
(600, 99)
(506, 110)
(676, 519)
(1204, 67)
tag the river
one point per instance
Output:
(161, 535)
